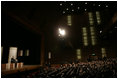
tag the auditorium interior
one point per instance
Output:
(59, 39)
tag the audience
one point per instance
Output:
(96, 69)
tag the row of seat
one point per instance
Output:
(94, 69)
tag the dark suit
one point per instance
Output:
(14, 61)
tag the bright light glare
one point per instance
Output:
(100, 31)
(62, 32)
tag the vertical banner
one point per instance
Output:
(49, 55)
(79, 54)
(1, 52)
(27, 53)
(20, 53)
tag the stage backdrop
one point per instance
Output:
(12, 53)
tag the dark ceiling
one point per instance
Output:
(41, 16)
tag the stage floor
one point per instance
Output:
(24, 68)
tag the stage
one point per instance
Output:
(24, 68)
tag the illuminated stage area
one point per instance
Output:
(59, 39)
(10, 73)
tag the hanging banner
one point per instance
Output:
(49, 55)
(27, 53)
(20, 53)
(1, 52)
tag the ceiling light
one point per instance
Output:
(61, 4)
(71, 4)
(93, 4)
(72, 9)
(85, 2)
(63, 12)
(61, 32)
(100, 31)
(106, 5)
(99, 5)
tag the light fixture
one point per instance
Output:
(72, 9)
(85, 2)
(67, 9)
(71, 4)
(100, 31)
(78, 7)
(93, 4)
(61, 4)
(85, 9)
(63, 12)
(99, 5)
(106, 5)
(61, 32)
